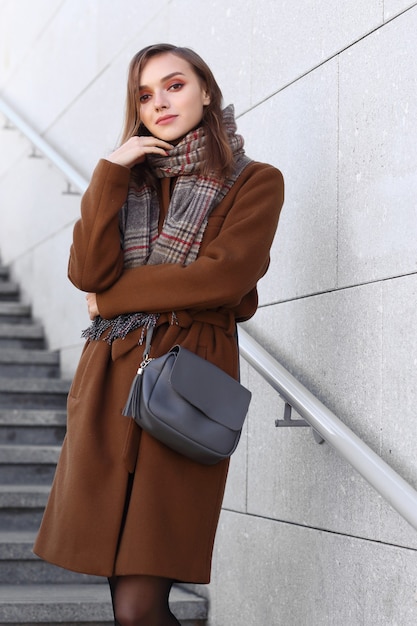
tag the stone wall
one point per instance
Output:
(326, 92)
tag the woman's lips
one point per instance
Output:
(166, 119)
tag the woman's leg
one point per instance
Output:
(112, 583)
(142, 601)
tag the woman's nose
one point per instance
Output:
(161, 101)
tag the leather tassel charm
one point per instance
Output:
(133, 400)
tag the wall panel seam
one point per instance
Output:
(316, 294)
(327, 531)
(319, 65)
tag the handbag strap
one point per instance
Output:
(146, 358)
(149, 333)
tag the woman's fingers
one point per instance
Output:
(92, 305)
(135, 149)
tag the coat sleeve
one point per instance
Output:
(225, 271)
(96, 257)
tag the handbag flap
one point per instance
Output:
(210, 389)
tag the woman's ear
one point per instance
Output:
(206, 97)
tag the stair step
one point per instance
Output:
(33, 427)
(18, 564)
(72, 604)
(21, 335)
(27, 465)
(81, 605)
(29, 454)
(22, 506)
(14, 312)
(23, 496)
(26, 393)
(9, 291)
(29, 363)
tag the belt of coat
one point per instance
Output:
(223, 319)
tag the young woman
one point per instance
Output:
(175, 231)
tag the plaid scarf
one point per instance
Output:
(193, 199)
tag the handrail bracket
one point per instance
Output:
(70, 190)
(289, 422)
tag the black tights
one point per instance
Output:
(141, 601)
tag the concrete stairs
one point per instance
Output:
(32, 427)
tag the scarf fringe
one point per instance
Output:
(120, 326)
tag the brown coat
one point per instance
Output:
(174, 503)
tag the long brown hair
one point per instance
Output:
(218, 154)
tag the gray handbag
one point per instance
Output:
(189, 404)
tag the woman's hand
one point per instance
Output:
(135, 149)
(92, 305)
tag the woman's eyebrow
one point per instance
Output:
(167, 77)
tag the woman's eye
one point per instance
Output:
(144, 98)
(176, 86)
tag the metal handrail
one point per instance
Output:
(43, 146)
(398, 493)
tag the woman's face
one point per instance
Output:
(171, 97)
